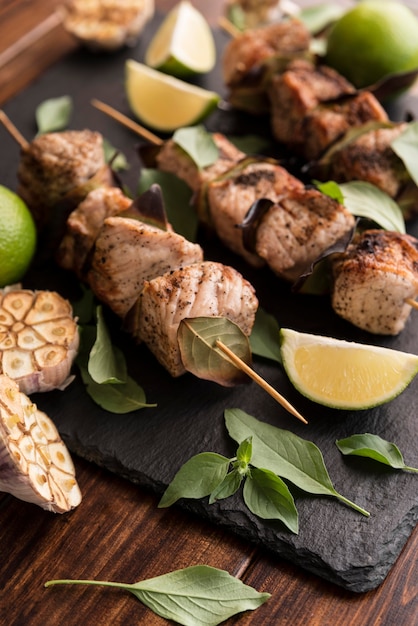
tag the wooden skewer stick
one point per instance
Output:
(15, 133)
(412, 303)
(260, 381)
(126, 121)
(228, 27)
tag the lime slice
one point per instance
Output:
(163, 102)
(344, 374)
(184, 44)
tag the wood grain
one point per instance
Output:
(118, 533)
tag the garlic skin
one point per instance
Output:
(38, 339)
(35, 465)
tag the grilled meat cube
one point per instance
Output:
(312, 107)
(230, 197)
(84, 224)
(58, 165)
(276, 45)
(172, 158)
(127, 253)
(373, 278)
(298, 228)
(206, 289)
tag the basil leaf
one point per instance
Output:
(366, 200)
(331, 189)
(177, 200)
(197, 478)
(406, 147)
(83, 309)
(53, 114)
(268, 497)
(106, 363)
(194, 596)
(230, 485)
(197, 343)
(374, 447)
(113, 156)
(285, 454)
(198, 144)
(121, 398)
(251, 144)
(245, 450)
(264, 338)
(318, 17)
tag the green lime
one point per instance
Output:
(164, 102)
(17, 237)
(184, 44)
(374, 39)
(345, 374)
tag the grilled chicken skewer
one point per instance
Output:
(35, 465)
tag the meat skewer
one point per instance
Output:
(292, 196)
(223, 299)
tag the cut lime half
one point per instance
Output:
(164, 102)
(344, 374)
(184, 44)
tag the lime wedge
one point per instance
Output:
(184, 44)
(344, 374)
(164, 102)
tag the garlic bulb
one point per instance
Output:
(38, 339)
(35, 465)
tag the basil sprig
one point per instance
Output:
(266, 455)
(376, 448)
(194, 596)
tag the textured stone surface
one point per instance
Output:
(149, 446)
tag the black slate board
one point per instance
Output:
(147, 447)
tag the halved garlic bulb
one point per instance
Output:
(35, 465)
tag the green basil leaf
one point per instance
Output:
(53, 114)
(177, 200)
(406, 147)
(117, 159)
(84, 308)
(230, 485)
(331, 189)
(121, 398)
(374, 447)
(268, 497)
(106, 363)
(285, 454)
(245, 450)
(198, 144)
(318, 17)
(251, 144)
(195, 596)
(197, 342)
(264, 338)
(366, 200)
(197, 478)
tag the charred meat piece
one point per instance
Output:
(276, 43)
(172, 158)
(127, 253)
(61, 166)
(84, 224)
(206, 289)
(312, 107)
(298, 228)
(373, 278)
(230, 197)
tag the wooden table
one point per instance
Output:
(118, 533)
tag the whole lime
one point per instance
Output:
(374, 39)
(18, 237)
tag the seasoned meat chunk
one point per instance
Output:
(374, 278)
(204, 289)
(127, 253)
(298, 228)
(84, 224)
(230, 198)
